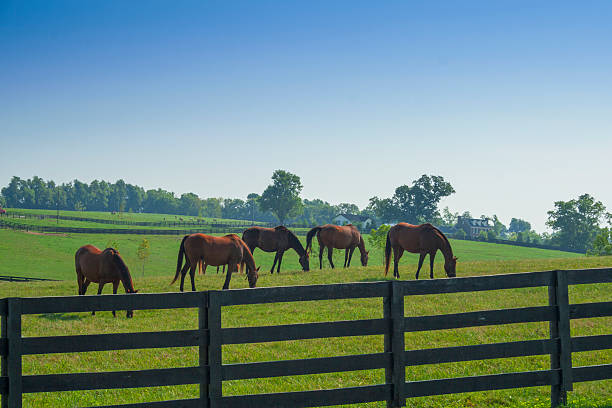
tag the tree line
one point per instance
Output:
(581, 224)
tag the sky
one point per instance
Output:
(509, 101)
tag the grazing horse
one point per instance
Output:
(101, 267)
(278, 239)
(205, 249)
(420, 239)
(334, 236)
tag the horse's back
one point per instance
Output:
(414, 238)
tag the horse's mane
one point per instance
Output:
(281, 228)
(125, 272)
(441, 234)
(295, 242)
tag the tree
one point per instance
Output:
(347, 208)
(282, 197)
(414, 204)
(143, 252)
(576, 222)
(519, 225)
(449, 219)
(602, 245)
(378, 237)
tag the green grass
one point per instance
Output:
(593, 394)
(52, 256)
(25, 254)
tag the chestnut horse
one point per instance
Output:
(205, 249)
(419, 239)
(333, 236)
(277, 239)
(101, 267)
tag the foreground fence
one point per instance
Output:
(211, 372)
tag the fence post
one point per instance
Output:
(215, 379)
(11, 364)
(393, 310)
(560, 330)
(203, 350)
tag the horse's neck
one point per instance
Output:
(445, 248)
(361, 245)
(295, 243)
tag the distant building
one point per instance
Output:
(2, 210)
(362, 220)
(474, 226)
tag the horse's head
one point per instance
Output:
(450, 267)
(364, 258)
(305, 262)
(252, 277)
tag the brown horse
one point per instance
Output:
(334, 236)
(419, 239)
(101, 267)
(278, 239)
(206, 249)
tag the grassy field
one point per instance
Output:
(52, 256)
(586, 395)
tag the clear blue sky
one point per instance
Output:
(511, 101)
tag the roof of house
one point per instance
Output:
(478, 222)
(354, 217)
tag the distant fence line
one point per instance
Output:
(210, 372)
(206, 227)
(23, 279)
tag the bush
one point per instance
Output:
(378, 237)
(460, 234)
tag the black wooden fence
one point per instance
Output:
(211, 372)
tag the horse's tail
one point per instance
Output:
(179, 262)
(387, 253)
(200, 262)
(309, 237)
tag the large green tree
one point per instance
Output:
(518, 225)
(282, 197)
(416, 203)
(576, 222)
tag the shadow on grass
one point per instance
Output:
(376, 279)
(60, 317)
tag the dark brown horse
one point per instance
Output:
(102, 267)
(419, 239)
(334, 236)
(205, 249)
(278, 239)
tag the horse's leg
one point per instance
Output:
(350, 256)
(346, 255)
(321, 249)
(421, 259)
(228, 276)
(100, 286)
(274, 263)
(86, 283)
(115, 286)
(397, 254)
(432, 255)
(280, 260)
(329, 256)
(183, 274)
(192, 276)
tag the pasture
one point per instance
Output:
(52, 256)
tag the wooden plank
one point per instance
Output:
(260, 334)
(109, 380)
(4, 363)
(398, 347)
(184, 403)
(306, 366)
(483, 383)
(589, 343)
(564, 331)
(3, 307)
(585, 276)
(557, 394)
(481, 318)
(304, 293)
(592, 373)
(588, 310)
(480, 352)
(477, 283)
(13, 360)
(387, 344)
(115, 341)
(87, 303)
(215, 360)
(319, 398)
(3, 385)
(203, 349)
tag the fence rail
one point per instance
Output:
(210, 336)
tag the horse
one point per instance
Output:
(101, 267)
(333, 236)
(419, 239)
(205, 249)
(278, 239)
